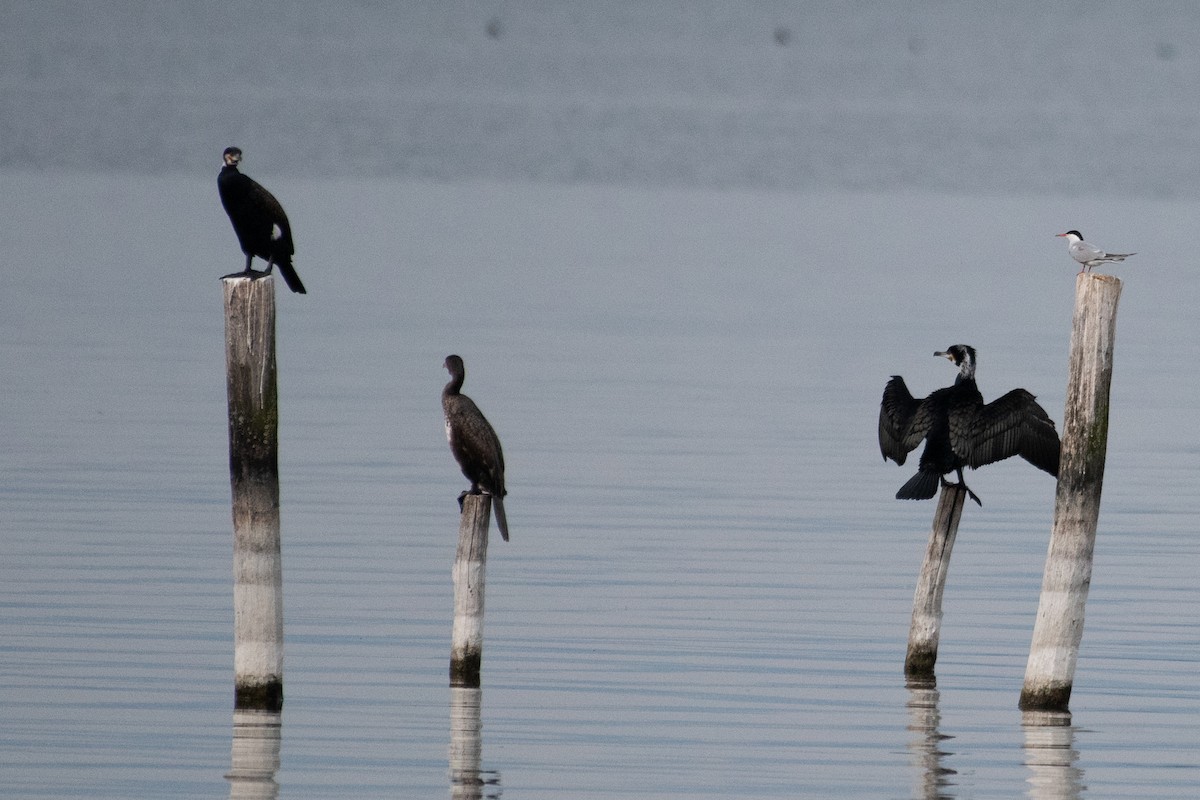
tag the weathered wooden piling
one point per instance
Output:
(926, 623)
(1058, 630)
(470, 575)
(254, 480)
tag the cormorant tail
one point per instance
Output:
(921, 486)
(290, 277)
(501, 520)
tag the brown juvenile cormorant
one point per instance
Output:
(258, 220)
(960, 431)
(473, 442)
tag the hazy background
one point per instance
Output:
(1066, 99)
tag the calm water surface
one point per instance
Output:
(708, 585)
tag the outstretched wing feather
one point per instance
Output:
(898, 415)
(1011, 425)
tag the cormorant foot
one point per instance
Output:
(967, 489)
(246, 273)
(472, 490)
(253, 275)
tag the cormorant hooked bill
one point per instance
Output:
(960, 431)
(258, 220)
(473, 442)
(1087, 254)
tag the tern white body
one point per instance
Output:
(1088, 255)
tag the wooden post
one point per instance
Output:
(470, 574)
(1058, 630)
(254, 479)
(466, 745)
(926, 624)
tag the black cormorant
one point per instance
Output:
(960, 431)
(473, 442)
(258, 220)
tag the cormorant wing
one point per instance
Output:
(897, 413)
(270, 211)
(1012, 425)
(475, 443)
(255, 214)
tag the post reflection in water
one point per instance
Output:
(467, 780)
(255, 755)
(924, 720)
(1050, 755)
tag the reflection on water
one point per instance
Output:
(467, 780)
(1051, 756)
(255, 760)
(924, 721)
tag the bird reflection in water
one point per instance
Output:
(467, 780)
(1051, 756)
(255, 755)
(924, 720)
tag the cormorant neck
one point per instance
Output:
(455, 384)
(966, 371)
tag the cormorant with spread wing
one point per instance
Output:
(960, 431)
(474, 442)
(258, 220)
